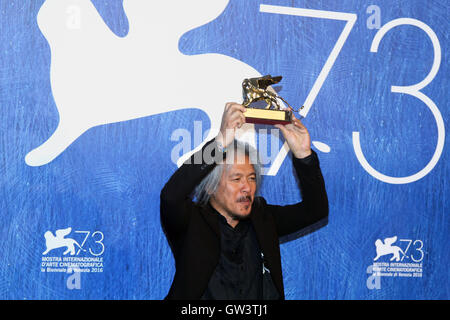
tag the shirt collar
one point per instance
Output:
(242, 226)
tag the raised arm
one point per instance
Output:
(176, 203)
(314, 205)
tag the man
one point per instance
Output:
(226, 244)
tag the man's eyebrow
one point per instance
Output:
(238, 174)
(234, 174)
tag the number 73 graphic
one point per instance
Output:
(413, 90)
(97, 238)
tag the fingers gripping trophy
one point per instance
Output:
(259, 89)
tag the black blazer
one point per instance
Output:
(193, 230)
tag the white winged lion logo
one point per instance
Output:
(99, 78)
(58, 241)
(387, 248)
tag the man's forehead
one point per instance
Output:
(243, 169)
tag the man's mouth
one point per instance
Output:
(245, 199)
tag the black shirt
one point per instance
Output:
(240, 272)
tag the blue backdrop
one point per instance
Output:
(105, 186)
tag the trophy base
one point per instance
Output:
(267, 116)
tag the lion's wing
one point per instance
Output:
(61, 233)
(389, 241)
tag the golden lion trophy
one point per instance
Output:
(257, 89)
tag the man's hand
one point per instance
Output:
(232, 118)
(297, 138)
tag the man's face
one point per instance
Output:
(236, 191)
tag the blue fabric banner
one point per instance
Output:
(102, 100)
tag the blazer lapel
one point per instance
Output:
(268, 241)
(211, 218)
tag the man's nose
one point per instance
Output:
(245, 186)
